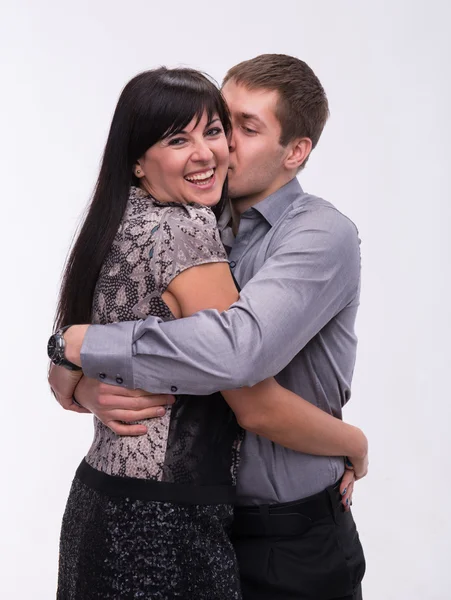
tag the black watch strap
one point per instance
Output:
(55, 350)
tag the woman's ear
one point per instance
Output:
(300, 149)
(138, 171)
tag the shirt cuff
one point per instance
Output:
(106, 354)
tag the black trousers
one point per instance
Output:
(304, 550)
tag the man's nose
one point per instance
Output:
(231, 141)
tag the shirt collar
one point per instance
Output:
(273, 207)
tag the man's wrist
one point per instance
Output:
(73, 339)
(106, 353)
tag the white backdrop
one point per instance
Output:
(384, 160)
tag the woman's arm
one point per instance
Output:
(267, 408)
(274, 412)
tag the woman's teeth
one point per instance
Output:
(201, 178)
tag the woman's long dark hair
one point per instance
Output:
(152, 106)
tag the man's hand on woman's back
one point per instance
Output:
(118, 408)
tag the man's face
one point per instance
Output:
(256, 157)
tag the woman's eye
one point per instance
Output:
(176, 142)
(214, 131)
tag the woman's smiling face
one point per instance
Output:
(190, 166)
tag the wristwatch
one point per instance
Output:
(55, 349)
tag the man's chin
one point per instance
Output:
(236, 193)
(233, 191)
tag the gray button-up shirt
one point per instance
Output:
(297, 260)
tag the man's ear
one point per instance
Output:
(298, 152)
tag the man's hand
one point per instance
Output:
(113, 405)
(63, 383)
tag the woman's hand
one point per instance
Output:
(356, 468)
(63, 383)
(347, 488)
(358, 465)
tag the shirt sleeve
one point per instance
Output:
(188, 236)
(312, 272)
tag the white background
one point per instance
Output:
(384, 160)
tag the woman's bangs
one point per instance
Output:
(184, 109)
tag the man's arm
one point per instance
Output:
(311, 274)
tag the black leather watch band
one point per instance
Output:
(55, 350)
(76, 402)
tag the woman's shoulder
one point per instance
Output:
(143, 204)
(191, 214)
(187, 236)
(170, 225)
(172, 236)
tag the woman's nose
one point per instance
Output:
(202, 152)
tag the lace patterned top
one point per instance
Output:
(196, 442)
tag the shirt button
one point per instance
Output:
(173, 388)
(102, 375)
(233, 264)
(119, 380)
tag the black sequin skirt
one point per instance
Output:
(119, 548)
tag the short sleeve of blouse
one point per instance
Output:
(187, 236)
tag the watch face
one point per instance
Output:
(51, 347)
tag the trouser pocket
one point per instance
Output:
(349, 543)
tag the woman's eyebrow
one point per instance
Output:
(186, 133)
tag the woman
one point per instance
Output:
(148, 516)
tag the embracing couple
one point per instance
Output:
(221, 300)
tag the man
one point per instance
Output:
(298, 260)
